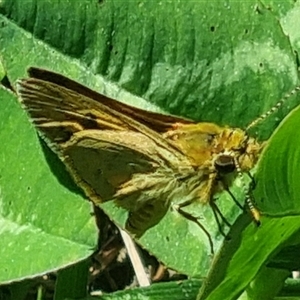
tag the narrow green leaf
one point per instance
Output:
(268, 283)
(277, 189)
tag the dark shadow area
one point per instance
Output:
(6, 83)
(287, 258)
(59, 170)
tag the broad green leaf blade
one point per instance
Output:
(43, 226)
(44, 56)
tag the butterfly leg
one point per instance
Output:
(249, 199)
(218, 215)
(207, 197)
(195, 220)
(204, 195)
(226, 188)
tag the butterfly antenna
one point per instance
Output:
(274, 108)
(255, 213)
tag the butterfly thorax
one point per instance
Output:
(213, 147)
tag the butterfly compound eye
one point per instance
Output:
(225, 164)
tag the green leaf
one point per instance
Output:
(277, 192)
(44, 227)
(268, 282)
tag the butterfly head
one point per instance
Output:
(234, 146)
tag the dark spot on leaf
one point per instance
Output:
(110, 47)
(167, 239)
(212, 28)
(261, 65)
(246, 31)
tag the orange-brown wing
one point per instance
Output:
(129, 169)
(110, 155)
(58, 112)
(156, 121)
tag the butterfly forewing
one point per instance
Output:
(156, 121)
(109, 154)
